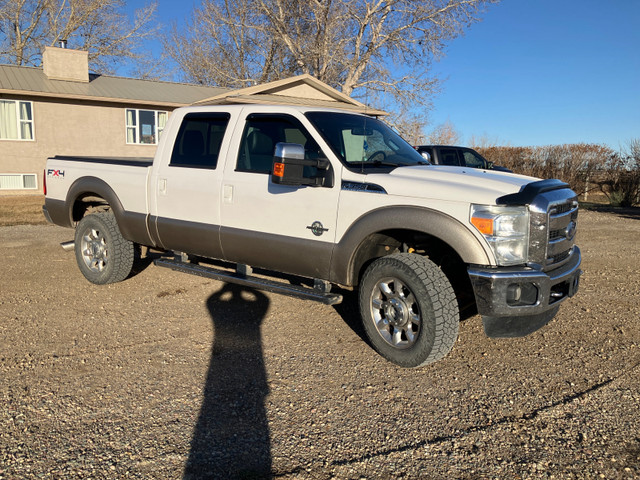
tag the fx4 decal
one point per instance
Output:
(51, 173)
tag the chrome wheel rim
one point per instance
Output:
(395, 313)
(94, 250)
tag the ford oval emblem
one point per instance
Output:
(570, 231)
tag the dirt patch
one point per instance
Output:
(167, 375)
(21, 210)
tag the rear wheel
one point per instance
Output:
(102, 253)
(409, 309)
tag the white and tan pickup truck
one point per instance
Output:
(316, 199)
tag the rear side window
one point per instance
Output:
(199, 140)
(449, 156)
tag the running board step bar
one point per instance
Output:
(272, 286)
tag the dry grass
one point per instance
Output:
(21, 210)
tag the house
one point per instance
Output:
(62, 109)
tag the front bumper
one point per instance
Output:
(523, 297)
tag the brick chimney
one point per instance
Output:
(65, 64)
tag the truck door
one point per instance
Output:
(290, 229)
(186, 214)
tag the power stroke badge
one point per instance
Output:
(317, 228)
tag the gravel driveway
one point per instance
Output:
(167, 375)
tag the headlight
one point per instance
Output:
(506, 229)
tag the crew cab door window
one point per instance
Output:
(261, 134)
(449, 156)
(199, 139)
(473, 160)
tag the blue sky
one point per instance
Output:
(534, 72)
(541, 72)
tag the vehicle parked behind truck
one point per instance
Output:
(322, 200)
(457, 157)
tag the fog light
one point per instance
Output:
(522, 294)
(514, 293)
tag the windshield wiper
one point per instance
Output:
(389, 164)
(377, 164)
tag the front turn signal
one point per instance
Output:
(484, 225)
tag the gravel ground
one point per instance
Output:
(168, 375)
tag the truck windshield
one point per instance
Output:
(362, 142)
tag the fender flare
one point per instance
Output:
(404, 217)
(132, 225)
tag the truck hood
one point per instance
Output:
(452, 183)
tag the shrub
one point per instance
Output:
(585, 167)
(620, 180)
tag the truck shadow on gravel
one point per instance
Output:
(349, 311)
(231, 437)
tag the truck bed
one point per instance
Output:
(128, 161)
(122, 179)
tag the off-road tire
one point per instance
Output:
(409, 309)
(102, 253)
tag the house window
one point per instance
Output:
(18, 181)
(16, 120)
(145, 126)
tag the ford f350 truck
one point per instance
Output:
(319, 199)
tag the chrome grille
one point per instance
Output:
(560, 209)
(562, 231)
(559, 257)
(556, 234)
(553, 228)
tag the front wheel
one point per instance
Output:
(102, 253)
(409, 309)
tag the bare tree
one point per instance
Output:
(374, 46)
(485, 141)
(410, 126)
(226, 44)
(444, 134)
(99, 26)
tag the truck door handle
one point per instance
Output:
(227, 193)
(162, 186)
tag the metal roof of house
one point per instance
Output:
(301, 90)
(32, 81)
